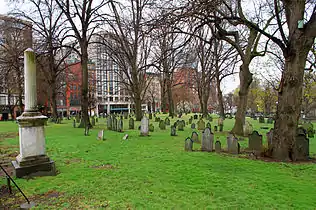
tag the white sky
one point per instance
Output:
(228, 85)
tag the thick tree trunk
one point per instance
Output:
(84, 88)
(289, 102)
(245, 80)
(138, 107)
(163, 98)
(204, 102)
(170, 99)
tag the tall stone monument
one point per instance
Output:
(32, 160)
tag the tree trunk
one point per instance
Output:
(138, 107)
(84, 88)
(204, 101)
(220, 97)
(163, 98)
(289, 102)
(245, 80)
(170, 99)
(54, 104)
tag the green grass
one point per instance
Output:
(155, 173)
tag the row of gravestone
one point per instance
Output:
(262, 120)
(115, 124)
(207, 142)
(94, 120)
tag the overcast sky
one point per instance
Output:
(229, 84)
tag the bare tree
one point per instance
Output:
(129, 45)
(84, 18)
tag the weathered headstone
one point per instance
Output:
(301, 147)
(114, 123)
(180, 126)
(261, 119)
(173, 131)
(247, 128)
(150, 116)
(229, 139)
(167, 121)
(218, 146)
(109, 123)
(234, 147)
(193, 126)
(151, 127)
(207, 140)
(120, 125)
(201, 124)
(131, 123)
(215, 128)
(270, 138)
(208, 125)
(162, 125)
(183, 123)
(190, 120)
(188, 144)
(144, 127)
(255, 142)
(195, 137)
(101, 135)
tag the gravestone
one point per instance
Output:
(96, 119)
(207, 140)
(261, 119)
(255, 142)
(173, 131)
(150, 116)
(269, 136)
(201, 124)
(190, 120)
(208, 125)
(229, 139)
(180, 126)
(301, 147)
(183, 123)
(188, 146)
(120, 125)
(144, 130)
(195, 117)
(193, 126)
(157, 119)
(162, 125)
(210, 118)
(32, 159)
(234, 147)
(125, 115)
(131, 123)
(125, 137)
(270, 120)
(86, 130)
(301, 130)
(93, 121)
(218, 146)
(167, 121)
(101, 135)
(309, 128)
(74, 123)
(114, 124)
(175, 124)
(195, 137)
(109, 122)
(151, 127)
(247, 128)
(215, 128)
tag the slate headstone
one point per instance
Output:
(162, 125)
(131, 123)
(201, 124)
(215, 128)
(120, 125)
(301, 147)
(218, 147)
(188, 144)
(101, 135)
(207, 140)
(255, 142)
(193, 126)
(109, 122)
(151, 127)
(173, 131)
(167, 121)
(195, 137)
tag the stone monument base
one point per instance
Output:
(34, 166)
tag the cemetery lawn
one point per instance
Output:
(155, 173)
